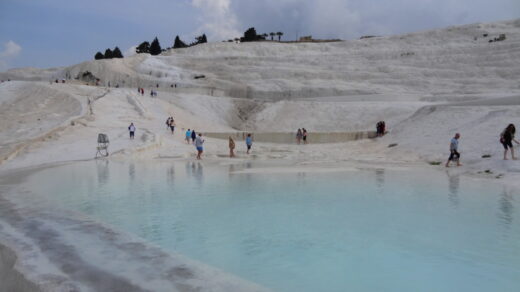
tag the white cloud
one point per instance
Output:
(10, 51)
(217, 19)
(130, 51)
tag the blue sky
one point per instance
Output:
(50, 33)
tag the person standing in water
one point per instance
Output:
(304, 135)
(299, 136)
(231, 147)
(249, 142)
(198, 144)
(506, 138)
(131, 129)
(454, 154)
(188, 136)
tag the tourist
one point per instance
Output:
(231, 147)
(304, 134)
(506, 138)
(131, 129)
(198, 144)
(172, 125)
(188, 136)
(299, 136)
(454, 154)
(168, 121)
(193, 136)
(249, 142)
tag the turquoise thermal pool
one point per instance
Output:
(352, 230)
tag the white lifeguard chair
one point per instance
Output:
(102, 147)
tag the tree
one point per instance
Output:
(279, 34)
(155, 47)
(249, 35)
(178, 44)
(99, 56)
(202, 39)
(144, 47)
(117, 53)
(109, 54)
(272, 35)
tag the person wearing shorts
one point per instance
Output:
(198, 144)
(454, 154)
(506, 138)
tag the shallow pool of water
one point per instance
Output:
(367, 230)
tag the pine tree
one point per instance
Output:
(155, 47)
(117, 53)
(99, 56)
(203, 39)
(109, 54)
(177, 44)
(144, 47)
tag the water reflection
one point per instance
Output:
(506, 208)
(231, 170)
(454, 185)
(170, 175)
(380, 179)
(195, 170)
(131, 171)
(103, 172)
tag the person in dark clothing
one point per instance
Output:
(193, 136)
(454, 151)
(506, 138)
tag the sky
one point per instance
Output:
(53, 33)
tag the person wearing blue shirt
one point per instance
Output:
(454, 154)
(249, 142)
(188, 136)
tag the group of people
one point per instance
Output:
(249, 145)
(301, 134)
(170, 124)
(140, 90)
(197, 140)
(507, 137)
(380, 129)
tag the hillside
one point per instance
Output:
(425, 85)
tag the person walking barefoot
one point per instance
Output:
(249, 142)
(131, 129)
(454, 154)
(199, 145)
(231, 147)
(188, 136)
(299, 136)
(506, 138)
